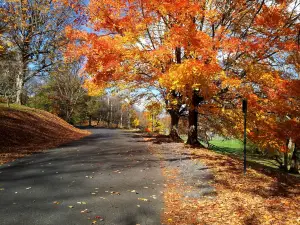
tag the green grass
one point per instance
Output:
(235, 147)
(16, 107)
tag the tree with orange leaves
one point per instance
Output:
(213, 53)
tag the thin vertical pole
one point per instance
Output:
(245, 134)
(245, 142)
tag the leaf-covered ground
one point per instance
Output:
(24, 131)
(261, 197)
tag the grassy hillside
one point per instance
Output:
(24, 131)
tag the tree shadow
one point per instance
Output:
(282, 185)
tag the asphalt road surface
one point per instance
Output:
(107, 178)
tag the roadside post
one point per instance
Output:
(245, 103)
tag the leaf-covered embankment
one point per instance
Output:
(262, 196)
(24, 131)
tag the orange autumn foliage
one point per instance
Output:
(225, 51)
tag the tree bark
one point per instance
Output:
(295, 161)
(20, 79)
(19, 87)
(121, 119)
(193, 128)
(285, 156)
(90, 120)
(174, 126)
(193, 120)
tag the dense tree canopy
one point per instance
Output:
(211, 53)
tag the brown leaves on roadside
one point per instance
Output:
(33, 131)
(260, 197)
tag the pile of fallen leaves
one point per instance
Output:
(259, 197)
(24, 131)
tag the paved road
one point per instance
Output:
(101, 172)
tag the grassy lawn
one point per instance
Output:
(236, 147)
(233, 146)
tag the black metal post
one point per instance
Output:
(245, 133)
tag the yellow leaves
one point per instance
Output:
(143, 199)
(191, 73)
(231, 82)
(93, 88)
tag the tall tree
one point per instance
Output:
(213, 53)
(35, 29)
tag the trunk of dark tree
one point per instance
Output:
(174, 126)
(98, 120)
(193, 128)
(90, 121)
(285, 156)
(295, 161)
(193, 120)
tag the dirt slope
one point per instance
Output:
(24, 131)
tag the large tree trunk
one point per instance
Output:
(20, 79)
(295, 161)
(193, 120)
(174, 126)
(193, 128)
(285, 156)
(19, 87)
(90, 120)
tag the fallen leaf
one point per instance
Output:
(153, 196)
(28, 188)
(143, 199)
(99, 218)
(71, 207)
(85, 211)
(56, 202)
